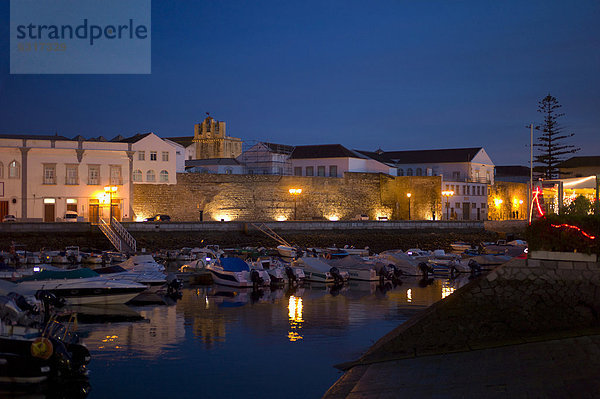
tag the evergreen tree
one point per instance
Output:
(551, 147)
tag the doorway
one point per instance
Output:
(466, 211)
(49, 210)
(3, 209)
(94, 211)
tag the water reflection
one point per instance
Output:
(295, 316)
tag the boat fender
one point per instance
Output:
(290, 273)
(328, 256)
(42, 348)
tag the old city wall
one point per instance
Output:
(504, 201)
(267, 197)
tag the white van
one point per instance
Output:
(70, 216)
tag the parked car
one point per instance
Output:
(159, 218)
(9, 218)
(361, 217)
(70, 216)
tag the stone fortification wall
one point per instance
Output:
(266, 197)
(521, 301)
(504, 201)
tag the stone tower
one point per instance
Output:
(212, 141)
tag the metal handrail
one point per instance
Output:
(112, 236)
(125, 235)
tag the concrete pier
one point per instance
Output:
(530, 328)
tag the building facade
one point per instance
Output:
(468, 173)
(333, 160)
(267, 159)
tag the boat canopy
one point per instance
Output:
(60, 274)
(234, 265)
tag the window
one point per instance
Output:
(150, 175)
(400, 172)
(419, 172)
(447, 187)
(49, 173)
(137, 175)
(141, 155)
(487, 177)
(115, 175)
(474, 205)
(165, 156)
(468, 190)
(164, 176)
(482, 205)
(456, 176)
(14, 170)
(333, 171)
(297, 171)
(478, 190)
(310, 171)
(321, 171)
(153, 155)
(1, 170)
(228, 171)
(93, 174)
(483, 190)
(72, 177)
(409, 172)
(72, 204)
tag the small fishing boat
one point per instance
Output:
(237, 273)
(317, 270)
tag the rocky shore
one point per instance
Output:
(376, 240)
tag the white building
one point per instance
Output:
(465, 171)
(267, 159)
(179, 155)
(155, 160)
(332, 160)
(43, 177)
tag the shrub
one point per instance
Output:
(565, 233)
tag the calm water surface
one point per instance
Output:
(218, 342)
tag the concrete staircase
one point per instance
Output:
(118, 236)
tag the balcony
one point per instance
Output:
(72, 181)
(116, 181)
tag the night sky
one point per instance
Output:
(395, 75)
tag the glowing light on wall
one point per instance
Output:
(498, 202)
(569, 226)
(222, 218)
(334, 218)
(281, 218)
(576, 182)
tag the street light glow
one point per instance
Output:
(295, 191)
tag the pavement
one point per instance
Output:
(565, 367)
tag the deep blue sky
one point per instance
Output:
(380, 74)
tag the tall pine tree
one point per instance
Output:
(550, 145)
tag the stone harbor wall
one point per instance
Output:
(524, 300)
(265, 197)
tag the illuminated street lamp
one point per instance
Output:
(295, 193)
(110, 190)
(448, 194)
(408, 195)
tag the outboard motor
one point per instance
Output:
(289, 272)
(256, 278)
(475, 267)
(337, 277)
(174, 285)
(425, 269)
(397, 273)
(49, 300)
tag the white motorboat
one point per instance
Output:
(142, 263)
(316, 269)
(153, 280)
(357, 268)
(91, 258)
(79, 286)
(278, 272)
(400, 261)
(236, 273)
(286, 251)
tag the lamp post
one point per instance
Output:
(408, 195)
(110, 190)
(295, 193)
(448, 194)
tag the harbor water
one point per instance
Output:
(218, 342)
